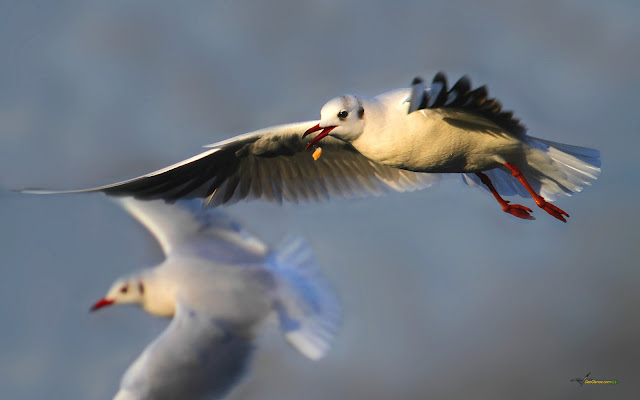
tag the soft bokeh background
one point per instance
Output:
(445, 295)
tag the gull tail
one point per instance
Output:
(308, 308)
(552, 169)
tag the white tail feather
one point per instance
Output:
(552, 169)
(307, 306)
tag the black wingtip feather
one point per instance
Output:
(462, 97)
(441, 97)
(478, 96)
(440, 77)
(458, 93)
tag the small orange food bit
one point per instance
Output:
(317, 153)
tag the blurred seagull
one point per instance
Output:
(397, 141)
(218, 283)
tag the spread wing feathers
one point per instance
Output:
(462, 97)
(185, 227)
(196, 356)
(269, 164)
(308, 308)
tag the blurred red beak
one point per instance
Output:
(322, 135)
(100, 304)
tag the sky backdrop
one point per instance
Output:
(445, 295)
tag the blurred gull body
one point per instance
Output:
(219, 283)
(394, 141)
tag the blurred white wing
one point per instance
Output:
(186, 227)
(196, 356)
(269, 164)
(308, 308)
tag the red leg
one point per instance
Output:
(540, 201)
(513, 209)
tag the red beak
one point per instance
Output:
(101, 303)
(322, 135)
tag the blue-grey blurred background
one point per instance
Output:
(445, 295)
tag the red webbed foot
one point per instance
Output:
(553, 210)
(540, 201)
(517, 210)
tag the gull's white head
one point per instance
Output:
(341, 117)
(123, 291)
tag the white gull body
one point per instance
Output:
(219, 284)
(397, 141)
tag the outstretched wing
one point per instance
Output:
(269, 164)
(185, 227)
(461, 98)
(196, 356)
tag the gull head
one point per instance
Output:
(341, 117)
(123, 291)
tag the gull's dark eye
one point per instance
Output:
(124, 289)
(343, 114)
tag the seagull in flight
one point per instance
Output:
(218, 284)
(400, 140)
